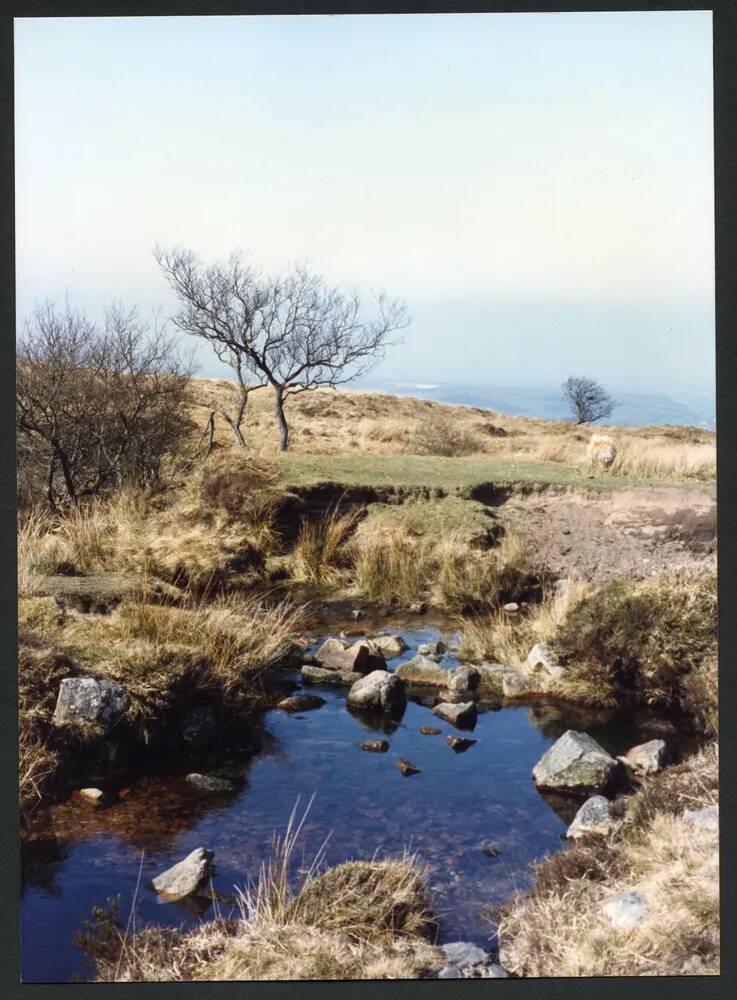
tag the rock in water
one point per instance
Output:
(390, 645)
(463, 716)
(361, 657)
(575, 763)
(186, 876)
(375, 746)
(378, 691)
(626, 910)
(422, 670)
(647, 758)
(430, 731)
(300, 702)
(407, 767)
(89, 700)
(209, 783)
(467, 961)
(432, 649)
(459, 743)
(319, 675)
(594, 818)
(463, 679)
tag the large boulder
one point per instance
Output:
(575, 763)
(319, 675)
(422, 670)
(390, 645)
(89, 701)
(186, 876)
(463, 678)
(378, 691)
(593, 819)
(646, 758)
(462, 715)
(361, 658)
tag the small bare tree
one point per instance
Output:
(293, 333)
(97, 408)
(587, 399)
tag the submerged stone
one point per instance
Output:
(430, 731)
(375, 746)
(209, 783)
(407, 767)
(300, 702)
(319, 675)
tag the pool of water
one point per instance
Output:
(458, 804)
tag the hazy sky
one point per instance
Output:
(538, 187)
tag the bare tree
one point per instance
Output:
(293, 333)
(587, 399)
(97, 408)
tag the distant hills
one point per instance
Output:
(696, 408)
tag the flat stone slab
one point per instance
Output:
(575, 763)
(626, 910)
(185, 877)
(422, 670)
(462, 715)
(99, 592)
(593, 819)
(319, 675)
(300, 702)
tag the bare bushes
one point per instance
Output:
(439, 434)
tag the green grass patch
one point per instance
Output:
(450, 474)
(448, 517)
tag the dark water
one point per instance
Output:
(447, 813)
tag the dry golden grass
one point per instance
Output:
(37, 765)
(472, 581)
(392, 566)
(360, 920)
(344, 422)
(559, 930)
(319, 555)
(503, 638)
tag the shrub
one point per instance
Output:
(438, 434)
(641, 641)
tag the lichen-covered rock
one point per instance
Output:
(319, 675)
(491, 678)
(300, 702)
(647, 758)
(575, 763)
(626, 910)
(361, 658)
(520, 686)
(593, 819)
(465, 960)
(89, 701)
(541, 659)
(463, 679)
(186, 876)
(209, 783)
(462, 715)
(390, 645)
(378, 691)
(422, 670)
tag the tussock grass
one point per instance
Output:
(502, 638)
(393, 566)
(476, 581)
(360, 920)
(559, 930)
(319, 555)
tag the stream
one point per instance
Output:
(458, 805)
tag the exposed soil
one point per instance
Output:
(634, 532)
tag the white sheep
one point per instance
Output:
(601, 450)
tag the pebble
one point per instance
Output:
(407, 767)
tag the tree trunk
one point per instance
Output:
(281, 418)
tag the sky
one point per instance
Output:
(537, 187)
